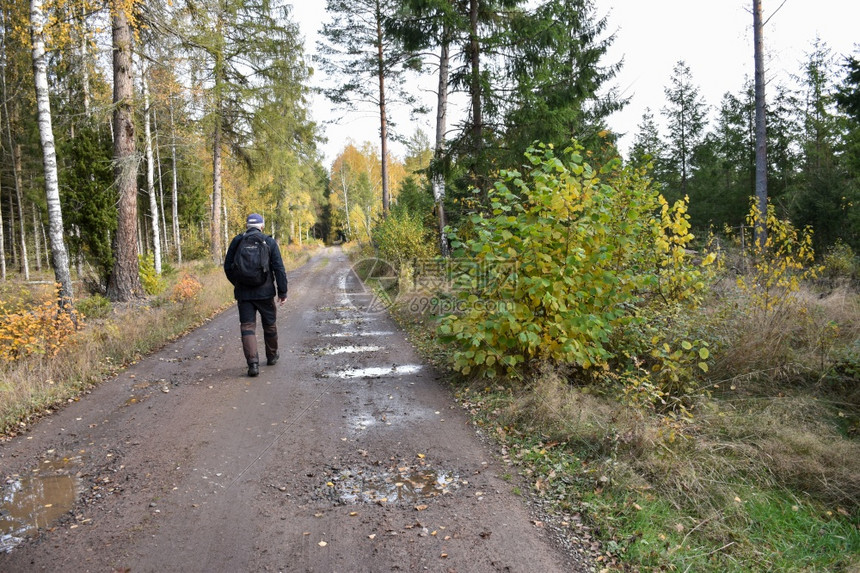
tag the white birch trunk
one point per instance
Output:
(150, 175)
(441, 127)
(37, 241)
(345, 187)
(177, 238)
(225, 226)
(2, 243)
(46, 136)
(164, 240)
(22, 230)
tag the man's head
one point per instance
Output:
(254, 220)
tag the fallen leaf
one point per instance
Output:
(420, 507)
(353, 513)
(444, 556)
(322, 543)
(421, 456)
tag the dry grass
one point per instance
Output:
(34, 386)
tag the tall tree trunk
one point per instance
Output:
(383, 117)
(2, 239)
(19, 197)
(177, 239)
(225, 229)
(36, 240)
(124, 284)
(164, 240)
(441, 127)
(475, 95)
(345, 187)
(760, 130)
(215, 222)
(45, 241)
(49, 157)
(17, 179)
(150, 177)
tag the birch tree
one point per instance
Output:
(49, 158)
(150, 175)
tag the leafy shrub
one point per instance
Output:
(151, 281)
(402, 238)
(564, 268)
(96, 306)
(186, 288)
(839, 261)
(38, 330)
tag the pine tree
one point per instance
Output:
(685, 113)
(369, 65)
(559, 77)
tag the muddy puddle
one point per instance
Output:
(343, 321)
(351, 334)
(406, 485)
(331, 350)
(36, 500)
(378, 371)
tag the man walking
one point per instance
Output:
(255, 267)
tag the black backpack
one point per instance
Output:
(251, 260)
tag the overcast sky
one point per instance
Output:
(714, 38)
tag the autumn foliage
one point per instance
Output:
(186, 289)
(575, 265)
(39, 328)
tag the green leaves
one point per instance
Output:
(559, 271)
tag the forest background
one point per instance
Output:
(137, 135)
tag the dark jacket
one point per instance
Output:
(276, 269)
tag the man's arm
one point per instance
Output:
(276, 263)
(228, 259)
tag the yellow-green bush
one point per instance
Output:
(574, 265)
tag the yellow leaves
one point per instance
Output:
(42, 328)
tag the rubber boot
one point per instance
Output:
(249, 348)
(270, 339)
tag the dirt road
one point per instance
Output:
(347, 455)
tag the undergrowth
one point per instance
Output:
(754, 467)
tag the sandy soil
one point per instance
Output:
(347, 455)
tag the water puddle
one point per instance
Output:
(348, 349)
(378, 371)
(37, 500)
(406, 485)
(350, 334)
(341, 321)
(345, 307)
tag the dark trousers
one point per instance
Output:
(248, 310)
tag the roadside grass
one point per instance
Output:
(111, 337)
(763, 476)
